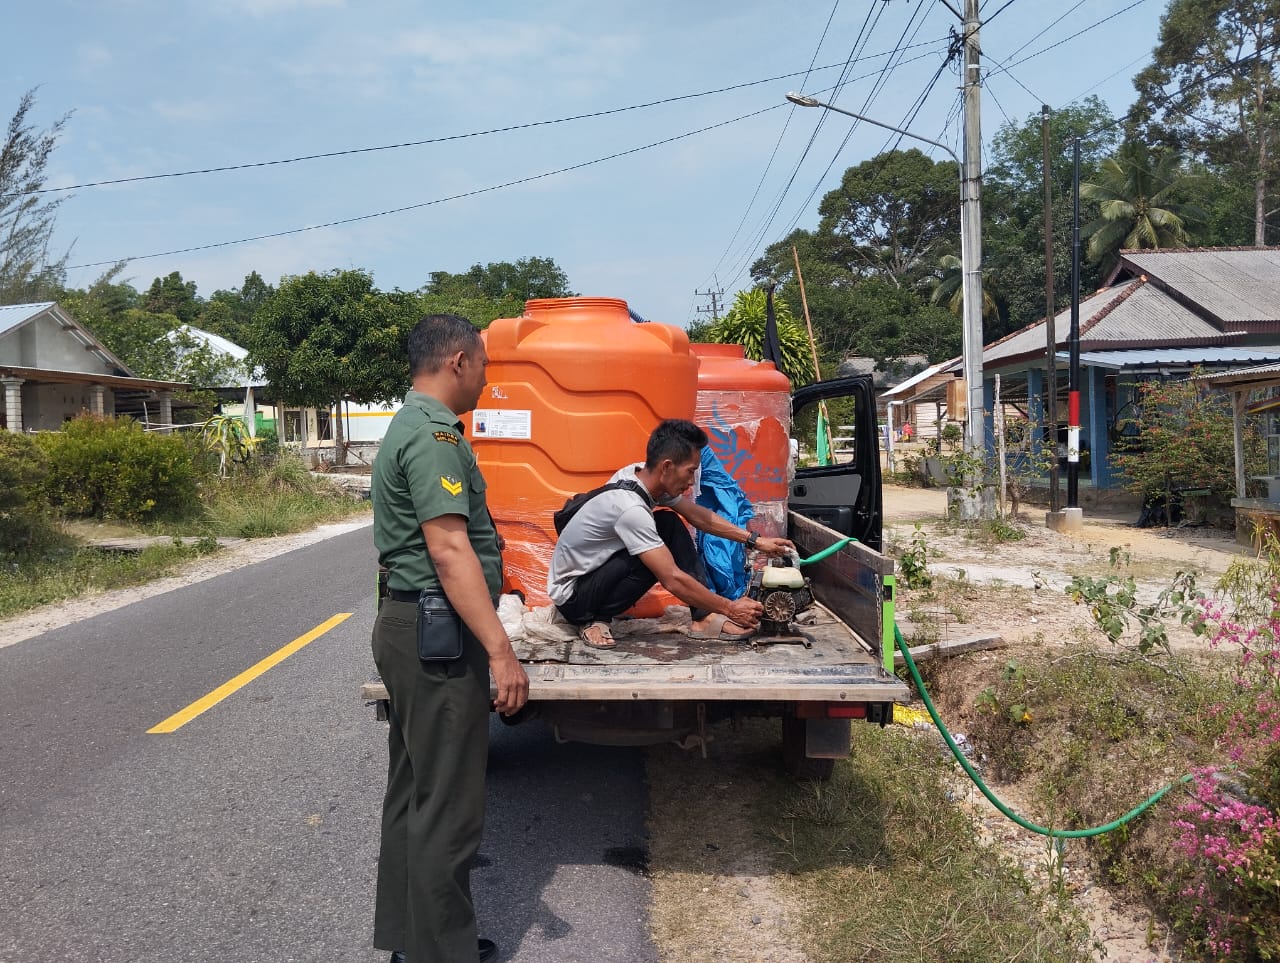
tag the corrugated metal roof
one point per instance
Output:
(1256, 372)
(1234, 285)
(1134, 311)
(1175, 357)
(917, 378)
(12, 315)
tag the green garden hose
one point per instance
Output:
(829, 550)
(995, 801)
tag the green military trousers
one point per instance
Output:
(433, 813)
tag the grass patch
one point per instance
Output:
(892, 869)
(878, 864)
(277, 500)
(72, 572)
(1103, 729)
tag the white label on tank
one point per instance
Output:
(502, 423)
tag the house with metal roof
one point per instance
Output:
(52, 368)
(1162, 314)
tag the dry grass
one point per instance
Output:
(879, 864)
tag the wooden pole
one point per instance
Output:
(813, 346)
(808, 324)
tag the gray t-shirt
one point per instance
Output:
(611, 522)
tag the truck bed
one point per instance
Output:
(835, 666)
(653, 660)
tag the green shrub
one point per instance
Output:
(111, 468)
(25, 529)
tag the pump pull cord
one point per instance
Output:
(991, 797)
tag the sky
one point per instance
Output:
(158, 87)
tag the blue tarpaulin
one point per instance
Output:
(725, 561)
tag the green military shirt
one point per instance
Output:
(426, 469)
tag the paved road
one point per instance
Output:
(250, 833)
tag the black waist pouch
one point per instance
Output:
(439, 630)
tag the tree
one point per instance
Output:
(1134, 192)
(744, 324)
(322, 338)
(230, 313)
(172, 295)
(1213, 88)
(28, 272)
(948, 288)
(496, 290)
(891, 214)
(1184, 440)
(1013, 210)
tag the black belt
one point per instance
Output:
(412, 595)
(405, 595)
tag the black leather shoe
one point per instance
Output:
(488, 950)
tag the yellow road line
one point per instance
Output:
(180, 719)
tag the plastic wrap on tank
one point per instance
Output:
(745, 408)
(575, 386)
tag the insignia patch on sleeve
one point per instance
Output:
(451, 485)
(446, 436)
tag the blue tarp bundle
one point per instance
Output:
(725, 561)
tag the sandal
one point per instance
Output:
(596, 635)
(715, 630)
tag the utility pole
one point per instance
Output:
(714, 309)
(1051, 356)
(971, 233)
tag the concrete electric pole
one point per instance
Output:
(971, 234)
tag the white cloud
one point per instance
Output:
(268, 8)
(93, 54)
(193, 111)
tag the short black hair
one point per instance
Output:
(437, 338)
(676, 439)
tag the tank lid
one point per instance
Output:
(577, 309)
(704, 349)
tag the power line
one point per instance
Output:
(1045, 30)
(445, 139)
(889, 66)
(912, 113)
(1136, 3)
(777, 145)
(1008, 4)
(431, 203)
(864, 35)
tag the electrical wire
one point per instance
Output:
(431, 203)
(912, 113)
(449, 137)
(1007, 5)
(1045, 30)
(777, 145)
(864, 35)
(913, 28)
(1092, 26)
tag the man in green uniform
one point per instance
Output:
(436, 538)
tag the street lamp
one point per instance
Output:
(970, 279)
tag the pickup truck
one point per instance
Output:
(832, 664)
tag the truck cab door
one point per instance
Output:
(836, 443)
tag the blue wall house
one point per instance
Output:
(1162, 314)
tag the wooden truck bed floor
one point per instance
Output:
(650, 664)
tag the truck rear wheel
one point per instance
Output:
(799, 765)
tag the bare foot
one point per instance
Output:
(716, 626)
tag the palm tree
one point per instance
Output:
(949, 288)
(744, 324)
(1137, 196)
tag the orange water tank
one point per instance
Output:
(745, 408)
(575, 388)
